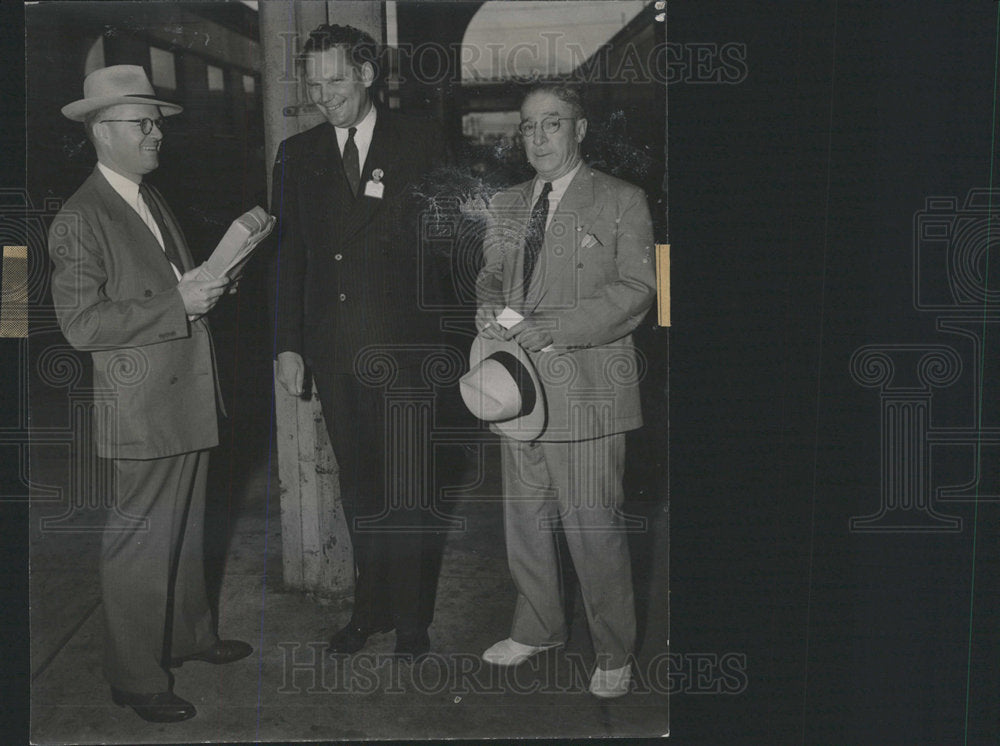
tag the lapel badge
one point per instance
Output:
(374, 186)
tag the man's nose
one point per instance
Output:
(539, 137)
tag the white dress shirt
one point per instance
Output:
(129, 191)
(362, 139)
(559, 187)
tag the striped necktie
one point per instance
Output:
(536, 233)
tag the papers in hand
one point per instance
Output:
(235, 248)
(508, 317)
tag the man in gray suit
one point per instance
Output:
(125, 289)
(572, 252)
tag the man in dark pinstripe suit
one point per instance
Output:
(347, 301)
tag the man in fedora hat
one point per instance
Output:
(571, 252)
(126, 290)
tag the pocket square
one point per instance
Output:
(590, 240)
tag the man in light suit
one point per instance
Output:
(571, 251)
(126, 290)
(348, 294)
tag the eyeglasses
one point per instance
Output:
(550, 125)
(145, 124)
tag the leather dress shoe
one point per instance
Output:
(223, 651)
(162, 707)
(353, 637)
(412, 646)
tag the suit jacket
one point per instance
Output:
(594, 282)
(350, 272)
(115, 295)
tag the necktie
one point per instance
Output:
(351, 165)
(536, 233)
(169, 247)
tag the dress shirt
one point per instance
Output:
(559, 187)
(362, 139)
(129, 191)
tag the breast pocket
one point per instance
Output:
(595, 256)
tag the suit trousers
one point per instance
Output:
(152, 566)
(578, 485)
(383, 461)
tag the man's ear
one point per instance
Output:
(581, 129)
(367, 74)
(101, 132)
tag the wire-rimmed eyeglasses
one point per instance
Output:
(145, 124)
(549, 125)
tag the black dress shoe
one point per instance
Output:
(352, 638)
(412, 646)
(223, 651)
(162, 707)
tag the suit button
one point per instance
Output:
(343, 296)
(580, 265)
(173, 379)
(148, 293)
(338, 257)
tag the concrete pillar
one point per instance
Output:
(316, 548)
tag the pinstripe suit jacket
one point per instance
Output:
(348, 272)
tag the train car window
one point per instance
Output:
(164, 68)
(216, 78)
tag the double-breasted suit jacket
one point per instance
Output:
(156, 415)
(348, 271)
(593, 283)
(115, 296)
(351, 285)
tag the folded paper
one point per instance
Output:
(236, 247)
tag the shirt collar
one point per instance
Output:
(366, 127)
(127, 188)
(559, 186)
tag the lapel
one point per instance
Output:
(142, 244)
(515, 217)
(173, 227)
(380, 155)
(571, 222)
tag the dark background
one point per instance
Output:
(793, 196)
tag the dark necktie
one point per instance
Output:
(536, 233)
(351, 165)
(169, 247)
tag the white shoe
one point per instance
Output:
(613, 683)
(510, 653)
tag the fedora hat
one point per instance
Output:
(502, 387)
(118, 84)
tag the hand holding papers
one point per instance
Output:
(238, 244)
(508, 318)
